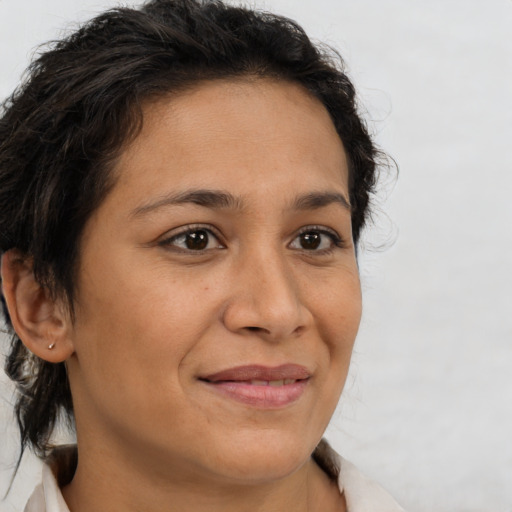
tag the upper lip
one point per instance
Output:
(259, 372)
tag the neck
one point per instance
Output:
(103, 483)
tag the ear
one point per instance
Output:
(42, 324)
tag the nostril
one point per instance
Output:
(256, 329)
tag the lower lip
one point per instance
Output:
(263, 397)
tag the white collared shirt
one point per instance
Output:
(361, 493)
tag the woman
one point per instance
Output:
(183, 187)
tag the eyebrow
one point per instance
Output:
(316, 200)
(218, 199)
(214, 199)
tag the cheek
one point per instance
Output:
(137, 328)
(337, 303)
(345, 318)
(133, 340)
(338, 312)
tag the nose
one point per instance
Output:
(265, 299)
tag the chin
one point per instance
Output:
(264, 459)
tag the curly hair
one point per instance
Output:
(61, 131)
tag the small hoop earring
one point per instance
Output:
(50, 347)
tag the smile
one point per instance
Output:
(259, 386)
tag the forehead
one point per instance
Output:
(236, 134)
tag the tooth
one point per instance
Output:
(289, 381)
(259, 382)
(276, 383)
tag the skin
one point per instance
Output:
(153, 316)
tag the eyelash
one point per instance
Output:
(336, 240)
(189, 230)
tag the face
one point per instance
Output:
(218, 296)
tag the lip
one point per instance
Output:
(260, 386)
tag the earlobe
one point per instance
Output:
(42, 323)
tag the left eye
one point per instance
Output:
(315, 240)
(200, 239)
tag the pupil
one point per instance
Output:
(310, 240)
(197, 241)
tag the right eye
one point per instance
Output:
(193, 240)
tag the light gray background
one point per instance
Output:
(427, 410)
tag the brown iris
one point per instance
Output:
(197, 240)
(310, 240)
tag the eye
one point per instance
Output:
(193, 239)
(316, 239)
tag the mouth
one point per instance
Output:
(260, 386)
